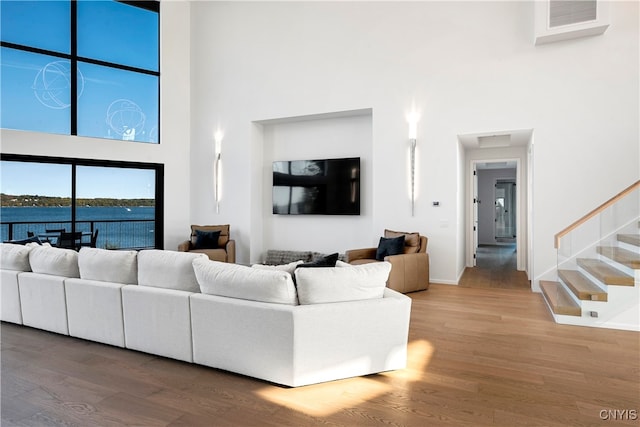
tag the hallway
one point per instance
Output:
(495, 268)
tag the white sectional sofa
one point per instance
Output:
(335, 323)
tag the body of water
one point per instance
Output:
(118, 226)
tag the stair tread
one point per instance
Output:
(605, 273)
(582, 286)
(622, 256)
(559, 299)
(632, 239)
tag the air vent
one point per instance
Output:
(494, 141)
(557, 20)
(568, 12)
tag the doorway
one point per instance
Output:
(497, 219)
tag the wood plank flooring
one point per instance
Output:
(477, 357)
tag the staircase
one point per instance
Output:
(598, 284)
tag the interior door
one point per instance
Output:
(475, 214)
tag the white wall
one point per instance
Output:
(486, 209)
(173, 151)
(467, 67)
(317, 138)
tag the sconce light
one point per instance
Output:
(413, 131)
(217, 137)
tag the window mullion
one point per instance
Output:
(74, 69)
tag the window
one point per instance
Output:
(120, 202)
(87, 68)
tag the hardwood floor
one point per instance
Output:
(495, 268)
(477, 356)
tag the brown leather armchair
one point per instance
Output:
(226, 248)
(409, 270)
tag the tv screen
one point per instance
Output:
(317, 187)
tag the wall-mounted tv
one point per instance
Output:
(317, 187)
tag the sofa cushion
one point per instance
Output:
(338, 284)
(108, 266)
(238, 281)
(15, 257)
(411, 240)
(206, 239)
(289, 268)
(54, 261)
(389, 246)
(168, 269)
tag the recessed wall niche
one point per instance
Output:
(319, 136)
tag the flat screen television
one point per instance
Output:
(317, 187)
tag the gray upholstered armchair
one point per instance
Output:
(212, 240)
(409, 269)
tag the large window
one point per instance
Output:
(119, 203)
(87, 68)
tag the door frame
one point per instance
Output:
(521, 250)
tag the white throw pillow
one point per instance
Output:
(108, 266)
(337, 284)
(54, 261)
(343, 264)
(168, 269)
(15, 257)
(237, 281)
(289, 268)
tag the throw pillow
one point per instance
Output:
(206, 239)
(389, 246)
(289, 268)
(339, 284)
(326, 261)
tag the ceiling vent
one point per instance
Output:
(557, 20)
(494, 141)
(567, 12)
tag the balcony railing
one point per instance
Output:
(113, 233)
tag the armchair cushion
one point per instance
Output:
(222, 239)
(390, 246)
(411, 240)
(206, 239)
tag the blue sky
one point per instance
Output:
(36, 90)
(55, 180)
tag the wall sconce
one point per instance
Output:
(413, 131)
(217, 137)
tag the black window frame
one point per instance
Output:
(73, 58)
(74, 162)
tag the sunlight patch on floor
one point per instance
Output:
(321, 400)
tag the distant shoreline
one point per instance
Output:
(35, 201)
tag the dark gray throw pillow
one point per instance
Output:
(327, 261)
(389, 246)
(206, 239)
